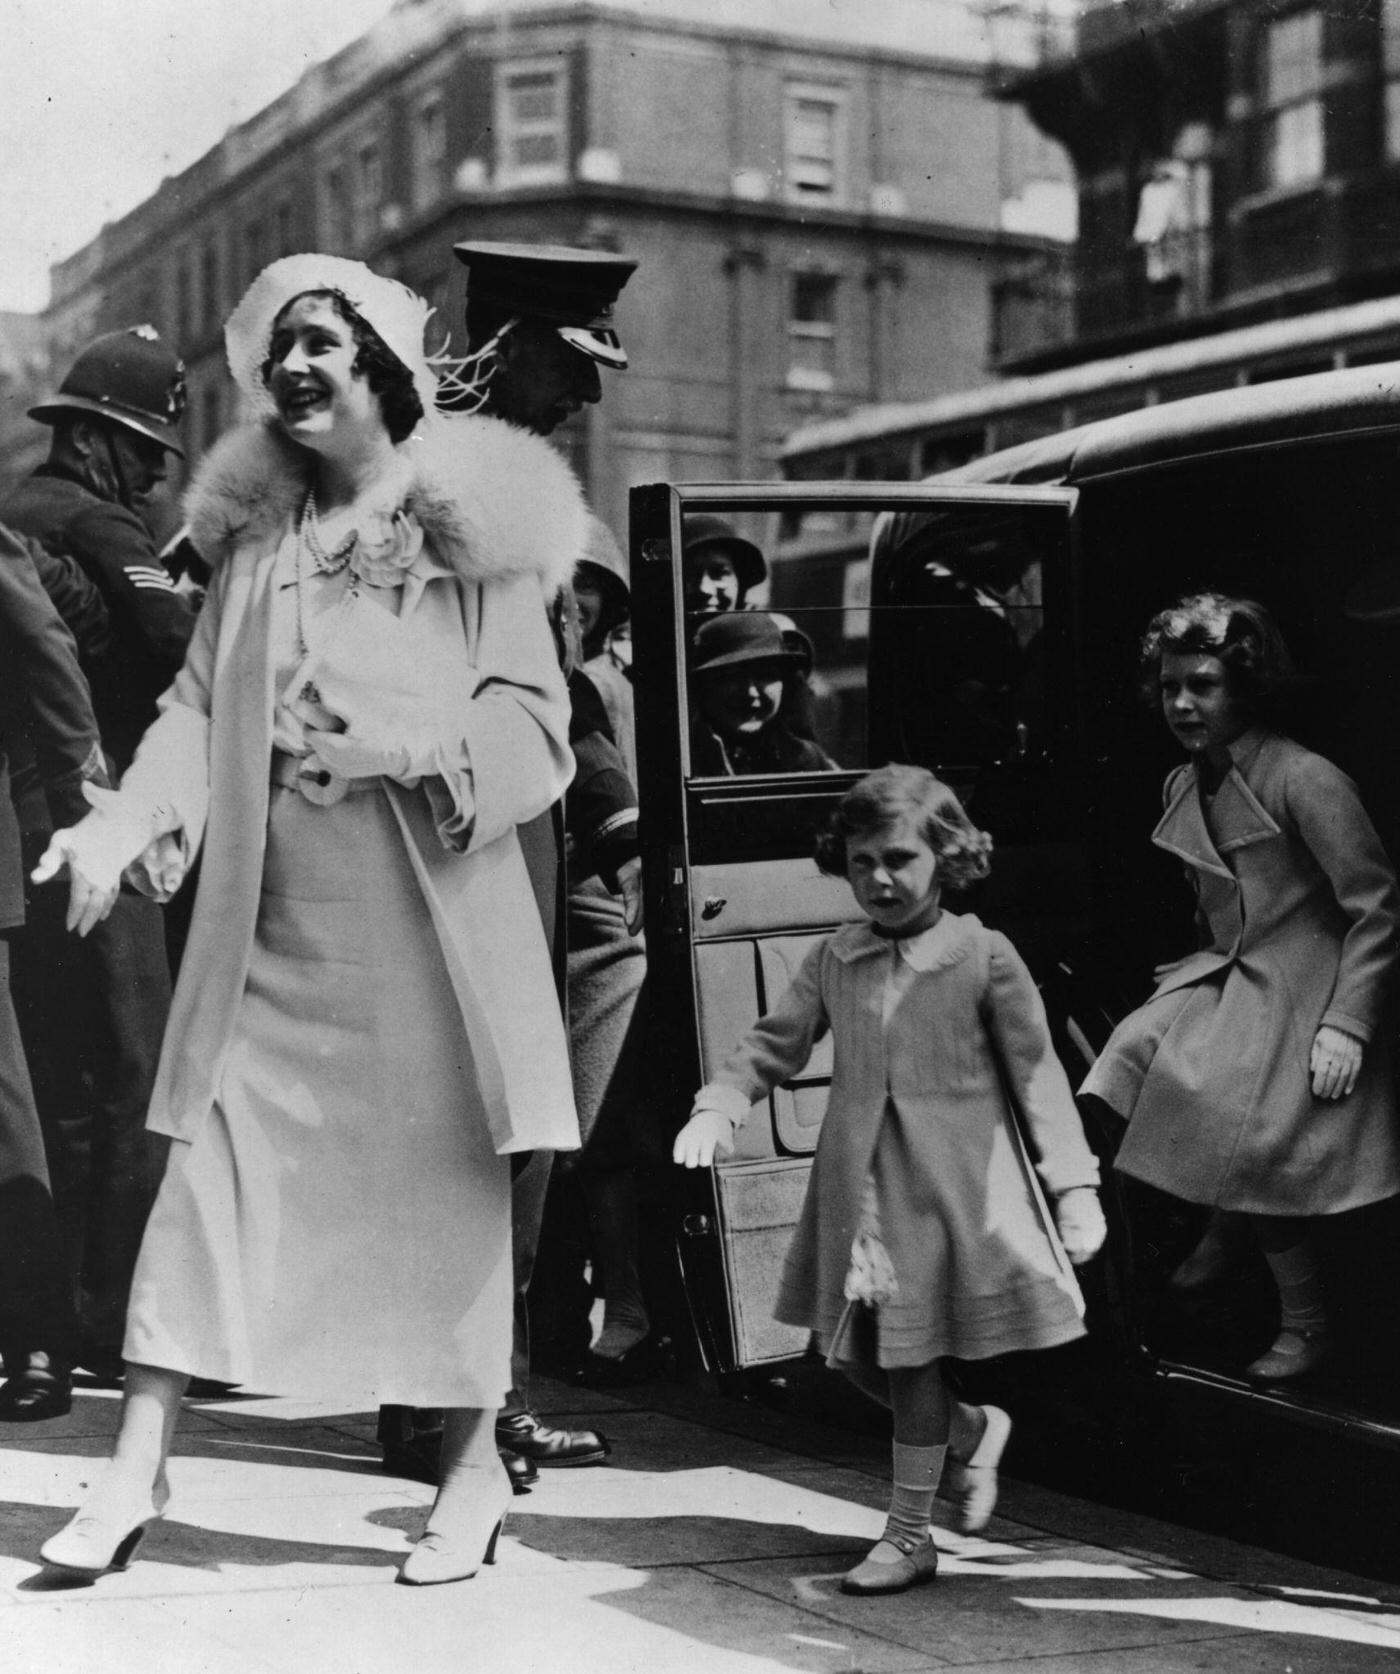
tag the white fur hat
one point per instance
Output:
(397, 314)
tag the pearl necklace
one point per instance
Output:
(309, 531)
(322, 563)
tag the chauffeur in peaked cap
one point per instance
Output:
(539, 326)
(539, 323)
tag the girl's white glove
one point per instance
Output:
(870, 1277)
(709, 1133)
(96, 852)
(1079, 1216)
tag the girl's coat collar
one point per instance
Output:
(496, 503)
(935, 949)
(1237, 817)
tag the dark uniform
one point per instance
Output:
(150, 623)
(554, 306)
(45, 714)
(93, 1010)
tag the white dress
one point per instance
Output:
(340, 1223)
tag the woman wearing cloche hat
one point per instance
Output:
(742, 677)
(365, 1022)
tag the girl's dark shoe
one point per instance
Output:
(1294, 1351)
(888, 1568)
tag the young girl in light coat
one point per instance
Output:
(925, 1230)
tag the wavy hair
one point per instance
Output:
(1240, 632)
(882, 797)
(387, 376)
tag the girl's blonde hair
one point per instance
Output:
(882, 797)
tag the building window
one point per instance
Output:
(813, 142)
(531, 114)
(284, 222)
(1293, 151)
(812, 332)
(335, 209)
(429, 151)
(369, 191)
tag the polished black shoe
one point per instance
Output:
(523, 1473)
(34, 1394)
(542, 1444)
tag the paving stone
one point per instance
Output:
(994, 1602)
(603, 1620)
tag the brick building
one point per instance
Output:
(1237, 161)
(817, 196)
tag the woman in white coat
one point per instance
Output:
(366, 1020)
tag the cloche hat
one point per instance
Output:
(739, 636)
(398, 315)
(702, 529)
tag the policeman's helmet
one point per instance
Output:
(129, 378)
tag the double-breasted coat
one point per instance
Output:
(503, 511)
(920, 1103)
(1297, 912)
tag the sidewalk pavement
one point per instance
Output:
(712, 1543)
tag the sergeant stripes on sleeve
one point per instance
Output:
(149, 575)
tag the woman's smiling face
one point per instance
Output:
(311, 372)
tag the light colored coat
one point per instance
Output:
(1298, 911)
(502, 510)
(979, 1260)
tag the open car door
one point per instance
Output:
(919, 624)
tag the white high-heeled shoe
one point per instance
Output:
(456, 1543)
(106, 1530)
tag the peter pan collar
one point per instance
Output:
(942, 944)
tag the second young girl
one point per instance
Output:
(925, 1231)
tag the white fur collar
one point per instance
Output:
(495, 502)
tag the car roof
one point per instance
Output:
(1281, 413)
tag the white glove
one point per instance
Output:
(96, 852)
(707, 1135)
(870, 1278)
(351, 755)
(1079, 1217)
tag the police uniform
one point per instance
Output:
(44, 702)
(93, 1010)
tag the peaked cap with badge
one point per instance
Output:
(571, 289)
